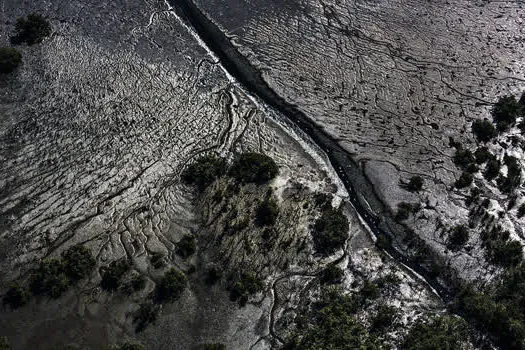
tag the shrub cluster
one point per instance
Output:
(415, 184)
(147, 313)
(501, 250)
(10, 59)
(332, 275)
(267, 212)
(31, 30)
(253, 167)
(113, 274)
(444, 332)
(484, 130)
(330, 231)
(187, 246)
(404, 209)
(458, 236)
(204, 171)
(242, 285)
(170, 287)
(505, 111)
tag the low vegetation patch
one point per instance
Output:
(415, 184)
(243, 285)
(443, 332)
(332, 275)
(16, 296)
(170, 287)
(147, 313)
(204, 171)
(187, 246)
(253, 167)
(330, 231)
(505, 111)
(458, 237)
(484, 130)
(31, 30)
(267, 212)
(113, 274)
(10, 59)
(465, 180)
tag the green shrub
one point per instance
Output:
(157, 260)
(31, 30)
(521, 210)
(16, 296)
(492, 169)
(49, 279)
(505, 253)
(170, 287)
(334, 327)
(147, 313)
(484, 130)
(463, 157)
(464, 180)
(243, 286)
(404, 210)
(444, 332)
(187, 246)
(332, 274)
(213, 274)
(384, 319)
(458, 237)
(134, 284)
(10, 59)
(129, 346)
(253, 167)
(266, 213)
(415, 184)
(370, 290)
(78, 262)
(204, 171)
(4, 345)
(505, 112)
(482, 155)
(513, 179)
(330, 231)
(112, 275)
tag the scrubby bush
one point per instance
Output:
(157, 260)
(147, 313)
(463, 157)
(204, 171)
(404, 210)
(444, 332)
(465, 180)
(384, 319)
(505, 112)
(492, 169)
(521, 210)
(253, 167)
(330, 231)
(129, 346)
(332, 274)
(170, 287)
(78, 262)
(370, 290)
(49, 279)
(484, 130)
(513, 179)
(458, 236)
(4, 345)
(31, 30)
(10, 59)
(213, 274)
(187, 246)
(113, 274)
(267, 212)
(505, 253)
(16, 296)
(134, 284)
(482, 155)
(415, 184)
(244, 285)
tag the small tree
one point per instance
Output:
(112, 275)
(204, 171)
(16, 296)
(186, 247)
(463, 157)
(170, 287)
(330, 231)
(145, 315)
(253, 167)
(267, 213)
(465, 180)
(10, 59)
(459, 235)
(415, 184)
(484, 130)
(31, 30)
(482, 155)
(78, 262)
(505, 112)
(332, 274)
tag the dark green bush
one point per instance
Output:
(10, 59)
(513, 179)
(439, 333)
(147, 313)
(330, 231)
(492, 169)
(16, 296)
(415, 184)
(31, 30)
(157, 260)
(384, 319)
(521, 210)
(458, 237)
(484, 130)
(4, 345)
(332, 274)
(134, 284)
(49, 279)
(78, 262)
(463, 157)
(204, 171)
(113, 273)
(213, 274)
(253, 167)
(370, 290)
(170, 287)
(505, 253)
(334, 327)
(482, 155)
(266, 213)
(464, 180)
(404, 210)
(505, 112)
(244, 285)
(187, 246)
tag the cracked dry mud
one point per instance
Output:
(102, 117)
